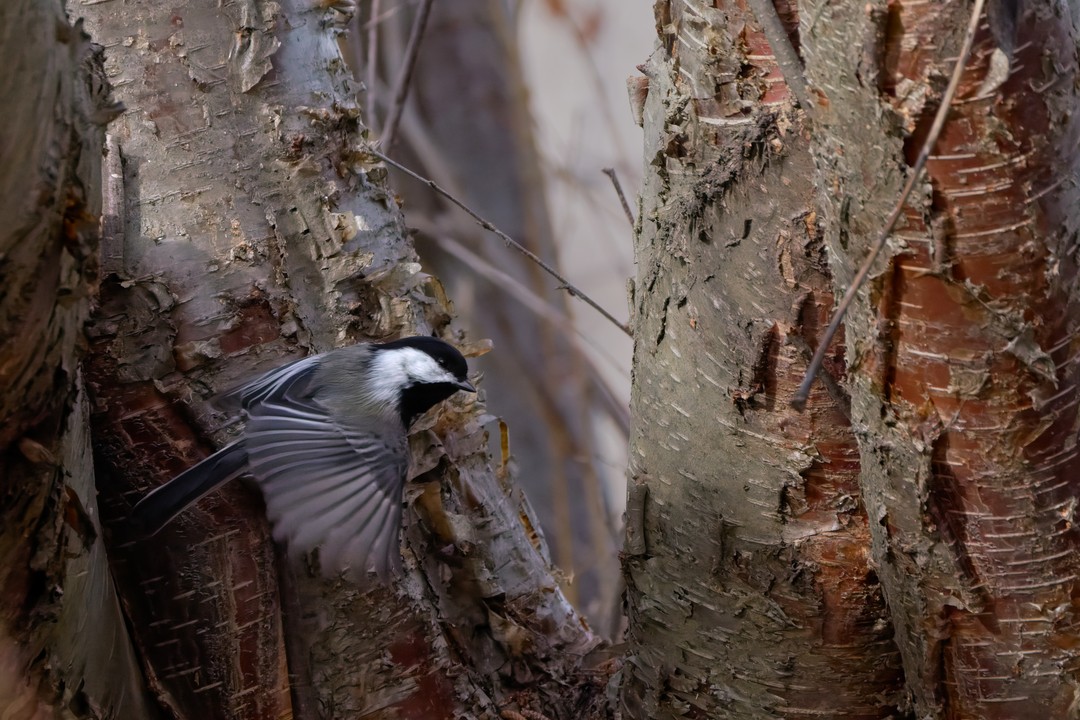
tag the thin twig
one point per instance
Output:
(401, 89)
(372, 53)
(610, 172)
(799, 401)
(786, 58)
(564, 284)
(540, 306)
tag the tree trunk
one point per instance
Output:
(963, 375)
(59, 616)
(751, 590)
(751, 593)
(257, 230)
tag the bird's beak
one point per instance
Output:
(465, 385)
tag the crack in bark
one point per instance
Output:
(946, 509)
(888, 338)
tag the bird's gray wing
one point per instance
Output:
(164, 503)
(292, 378)
(327, 485)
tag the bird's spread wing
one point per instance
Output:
(325, 488)
(325, 485)
(292, 378)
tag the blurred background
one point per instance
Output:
(516, 107)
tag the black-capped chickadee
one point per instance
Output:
(326, 441)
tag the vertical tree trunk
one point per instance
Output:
(749, 558)
(962, 347)
(257, 229)
(59, 617)
(751, 593)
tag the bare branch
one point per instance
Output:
(401, 89)
(610, 172)
(511, 242)
(544, 309)
(786, 58)
(372, 53)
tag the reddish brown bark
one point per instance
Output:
(963, 360)
(750, 591)
(984, 310)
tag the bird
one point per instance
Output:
(326, 441)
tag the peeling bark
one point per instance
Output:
(59, 616)
(750, 589)
(255, 229)
(258, 230)
(963, 373)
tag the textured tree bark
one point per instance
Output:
(750, 588)
(257, 230)
(59, 616)
(961, 369)
(467, 126)
(962, 347)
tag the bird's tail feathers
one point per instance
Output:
(162, 504)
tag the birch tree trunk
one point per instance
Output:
(257, 229)
(756, 577)
(750, 588)
(962, 347)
